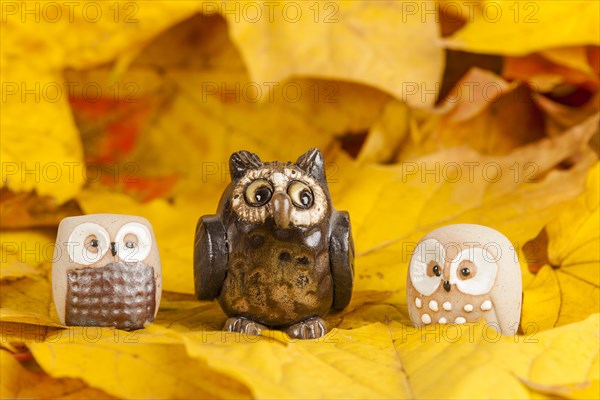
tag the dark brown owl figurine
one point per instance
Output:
(277, 254)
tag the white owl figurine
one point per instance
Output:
(462, 273)
(106, 271)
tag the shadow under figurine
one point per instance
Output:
(106, 271)
(276, 254)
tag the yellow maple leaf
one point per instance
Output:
(18, 382)
(568, 289)
(268, 367)
(40, 146)
(204, 106)
(378, 43)
(521, 27)
(28, 300)
(475, 362)
(132, 365)
(574, 57)
(24, 252)
(384, 232)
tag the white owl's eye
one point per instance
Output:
(301, 194)
(134, 242)
(473, 271)
(426, 266)
(88, 243)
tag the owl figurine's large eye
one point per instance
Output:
(134, 241)
(87, 243)
(426, 266)
(258, 192)
(473, 271)
(301, 194)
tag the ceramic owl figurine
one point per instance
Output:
(106, 271)
(276, 254)
(461, 273)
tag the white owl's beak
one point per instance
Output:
(282, 208)
(447, 286)
(113, 248)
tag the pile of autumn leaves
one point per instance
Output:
(511, 142)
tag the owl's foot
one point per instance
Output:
(312, 328)
(243, 325)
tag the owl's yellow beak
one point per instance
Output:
(282, 208)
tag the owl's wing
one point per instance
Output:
(210, 257)
(341, 257)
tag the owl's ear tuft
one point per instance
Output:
(312, 163)
(241, 161)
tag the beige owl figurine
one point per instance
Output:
(461, 273)
(106, 271)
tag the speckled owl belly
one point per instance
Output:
(277, 282)
(119, 294)
(443, 308)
